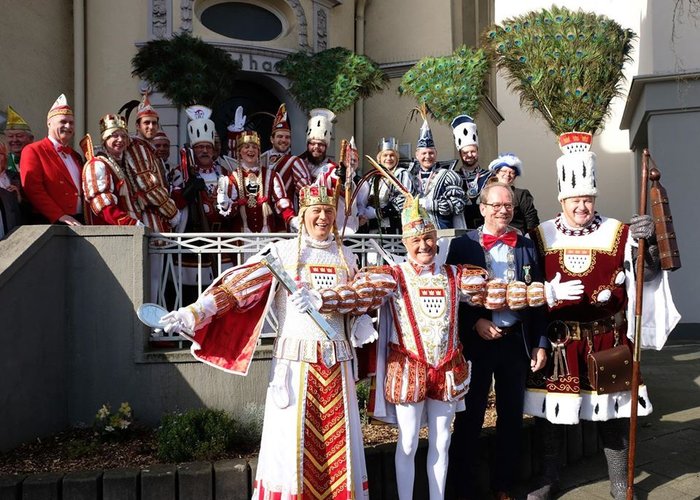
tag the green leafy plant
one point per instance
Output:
(335, 78)
(363, 389)
(448, 86)
(110, 425)
(200, 434)
(187, 70)
(567, 66)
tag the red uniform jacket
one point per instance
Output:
(47, 182)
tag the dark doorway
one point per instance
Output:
(259, 105)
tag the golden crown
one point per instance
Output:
(247, 137)
(110, 123)
(316, 195)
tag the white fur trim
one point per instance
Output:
(534, 401)
(576, 175)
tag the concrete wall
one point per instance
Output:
(670, 37)
(70, 298)
(36, 37)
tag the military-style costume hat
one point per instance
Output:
(576, 167)
(320, 126)
(425, 138)
(201, 128)
(465, 132)
(110, 124)
(145, 109)
(281, 121)
(15, 121)
(60, 107)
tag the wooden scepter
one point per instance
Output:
(639, 293)
(670, 261)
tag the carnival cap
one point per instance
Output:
(110, 124)
(160, 136)
(425, 138)
(415, 221)
(201, 128)
(316, 195)
(281, 122)
(320, 126)
(465, 132)
(15, 121)
(576, 167)
(507, 160)
(60, 107)
(145, 109)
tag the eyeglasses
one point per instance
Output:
(498, 206)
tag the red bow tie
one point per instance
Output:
(510, 238)
(63, 149)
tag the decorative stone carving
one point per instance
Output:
(159, 19)
(301, 22)
(186, 16)
(321, 30)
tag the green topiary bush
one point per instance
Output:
(201, 434)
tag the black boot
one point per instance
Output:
(615, 436)
(552, 436)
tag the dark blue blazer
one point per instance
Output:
(466, 249)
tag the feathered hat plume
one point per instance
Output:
(566, 66)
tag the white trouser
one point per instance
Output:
(439, 417)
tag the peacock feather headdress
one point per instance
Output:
(566, 66)
(448, 86)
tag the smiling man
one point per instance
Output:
(19, 135)
(440, 188)
(51, 171)
(502, 344)
(426, 374)
(581, 245)
(291, 168)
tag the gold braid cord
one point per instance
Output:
(237, 287)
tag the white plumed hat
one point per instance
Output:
(465, 132)
(201, 128)
(576, 167)
(320, 126)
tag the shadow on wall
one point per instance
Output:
(72, 341)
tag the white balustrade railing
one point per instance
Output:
(177, 284)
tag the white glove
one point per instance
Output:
(362, 331)
(140, 224)
(180, 321)
(294, 224)
(304, 299)
(224, 203)
(238, 123)
(555, 290)
(176, 219)
(426, 203)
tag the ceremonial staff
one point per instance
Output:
(670, 261)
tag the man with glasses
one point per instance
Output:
(500, 343)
